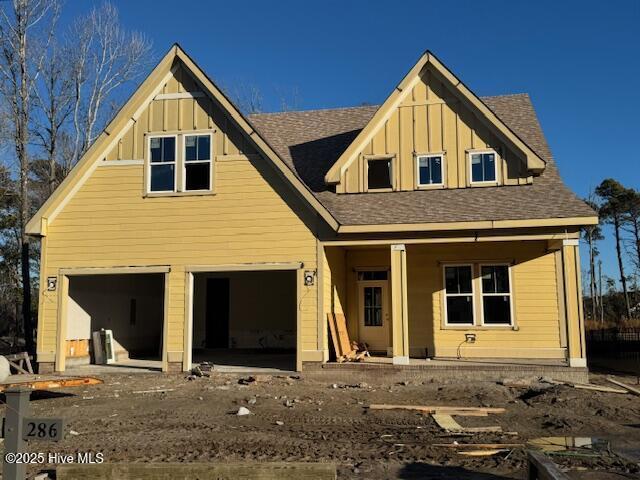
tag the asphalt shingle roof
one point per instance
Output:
(311, 141)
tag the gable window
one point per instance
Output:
(429, 170)
(380, 174)
(458, 281)
(162, 164)
(496, 295)
(483, 167)
(197, 162)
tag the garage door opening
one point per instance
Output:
(245, 320)
(131, 306)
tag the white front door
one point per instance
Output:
(374, 314)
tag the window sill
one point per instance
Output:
(479, 327)
(178, 194)
(484, 184)
(379, 190)
(437, 186)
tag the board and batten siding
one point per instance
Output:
(253, 216)
(432, 120)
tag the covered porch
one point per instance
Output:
(508, 299)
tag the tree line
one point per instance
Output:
(58, 88)
(619, 207)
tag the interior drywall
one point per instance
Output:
(106, 301)
(262, 309)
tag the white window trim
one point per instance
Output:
(482, 295)
(371, 158)
(419, 156)
(174, 163)
(446, 295)
(470, 153)
(193, 162)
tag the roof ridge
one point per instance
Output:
(315, 110)
(506, 95)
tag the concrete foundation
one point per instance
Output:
(382, 372)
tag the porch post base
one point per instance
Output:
(578, 362)
(397, 360)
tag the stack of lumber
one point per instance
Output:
(346, 351)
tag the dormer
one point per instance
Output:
(432, 132)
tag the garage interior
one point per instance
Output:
(245, 319)
(130, 305)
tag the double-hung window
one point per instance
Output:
(180, 163)
(496, 295)
(197, 162)
(483, 167)
(429, 170)
(459, 304)
(162, 164)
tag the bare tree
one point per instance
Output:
(246, 96)
(25, 33)
(104, 57)
(54, 102)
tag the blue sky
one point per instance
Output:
(579, 60)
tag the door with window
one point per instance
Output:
(374, 314)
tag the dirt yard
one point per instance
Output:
(298, 419)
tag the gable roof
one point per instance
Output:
(129, 113)
(535, 162)
(311, 141)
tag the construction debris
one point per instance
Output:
(448, 424)
(479, 445)
(591, 386)
(243, 411)
(51, 384)
(159, 390)
(628, 388)
(482, 453)
(346, 351)
(21, 362)
(447, 410)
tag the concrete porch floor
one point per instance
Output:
(223, 360)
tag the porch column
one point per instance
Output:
(399, 311)
(573, 303)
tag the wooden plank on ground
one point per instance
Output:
(469, 411)
(446, 422)
(598, 388)
(629, 388)
(478, 445)
(51, 384)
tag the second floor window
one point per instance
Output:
(483, 167)
(162, 164)
(197, 162)
(429, 170)
(379, 174)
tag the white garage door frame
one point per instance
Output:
(245, 267)
(64, 275)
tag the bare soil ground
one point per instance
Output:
(298, 419)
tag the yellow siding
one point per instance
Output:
(433, 120)
(252, 217)
(535, 297)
